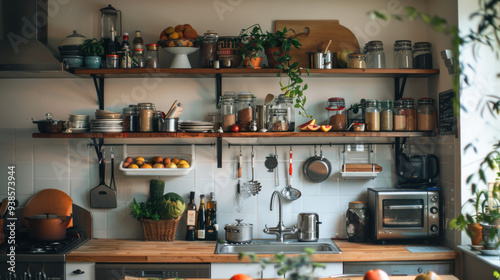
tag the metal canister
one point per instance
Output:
(357, 220)
(328, 60)
(317, 60)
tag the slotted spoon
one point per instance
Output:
(253, 187)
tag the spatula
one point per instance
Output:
(102, 196)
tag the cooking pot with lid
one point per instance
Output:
(239, 232)
(50, 125)
(48, 227)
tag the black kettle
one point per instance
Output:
(417, 168)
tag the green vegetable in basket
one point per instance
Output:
(156, 189)
(172, 207)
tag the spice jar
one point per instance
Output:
(285, 102)
(246, 109)
(422, 56)
(375, 57)
(157, 116)
(277, 120)
(146, 115)
(411, 113)
(112, 61)
(386, 115)
(130, 119)
(209, 49)
(372, 115)
(425, 113)
(356, 60)
(337, 113)
(357, 221)
(138, 60)
(399, 116)
(403, 55)
(152, 56)
(227, 110)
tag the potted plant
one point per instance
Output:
(252, 44)
(278, 44)
(468, 218)
(92, 50)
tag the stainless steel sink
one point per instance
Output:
(266, 246)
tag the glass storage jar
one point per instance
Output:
(356, 60)
(337, 116)
(399, 116)
(285, 102)
(130, 118)
(386, 115)
(152, 56)
(246, 109)
(146, 115)
(374, 54)
(209, 49)
(227, 110)
(357, 222)
(425, 114)
(277, 120)
(422, 56)
(138, 60)
(157, 116)
(372, 115)
(403, 55)
(112, 61)
(411, 113)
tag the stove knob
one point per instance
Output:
(26, 275)
(11, 275)
(41, 276)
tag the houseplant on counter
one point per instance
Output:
(92, 50)
(160, 215)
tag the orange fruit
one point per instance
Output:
(173, 36)
(146, 165)
(241, 276)
(133, 166)
(174, 161)
(326, 128)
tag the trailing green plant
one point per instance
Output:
(92, 47)
(252, 41)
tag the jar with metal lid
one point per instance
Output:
(386, 115)
(356, 60)
(336, 113)
(152, 56)
(157, 116)
(422, 56)
(138, 60)
(399, 116)
(357, 222)
(112, 61)
(372, 115)
(227, 104)
(246, 109)
(130, 118)
(146, 115)
(403, 54)
(285, 102)
(425, 114)
(374, 54)
(411, 113)
(209, 49)
(277, 120)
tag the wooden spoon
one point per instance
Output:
(269, 98)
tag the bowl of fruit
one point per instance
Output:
(179, 41)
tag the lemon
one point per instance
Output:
(342, 57)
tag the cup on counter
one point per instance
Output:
(168, 125)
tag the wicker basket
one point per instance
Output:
(161, 230)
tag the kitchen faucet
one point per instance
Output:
(280, 230)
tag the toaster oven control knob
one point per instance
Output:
(434, 198)
(434, 210)
(434, 228)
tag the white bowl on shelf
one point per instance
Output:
(181, 59)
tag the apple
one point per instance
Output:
(377, 274)
(235, 128)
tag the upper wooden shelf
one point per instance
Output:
(242, 72)
(129, 135)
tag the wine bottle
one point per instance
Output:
(191, 218)
(200, 223)
(212, 228)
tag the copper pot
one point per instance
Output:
(48, 227)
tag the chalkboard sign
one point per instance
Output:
(446, 116)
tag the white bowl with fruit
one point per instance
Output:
(157, 165)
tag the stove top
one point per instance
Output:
(29, 246)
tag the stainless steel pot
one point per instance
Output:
(317, 168)
(239, 233)
(308, 225)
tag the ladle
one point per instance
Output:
(290, 193)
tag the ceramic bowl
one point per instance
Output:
(73, 61)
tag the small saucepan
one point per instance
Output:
(317, 168)
(239, 233)
(48, 227)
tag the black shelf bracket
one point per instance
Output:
(99, 88)
(399, 88)
(219, 152)
(218, 89)
(98, 144)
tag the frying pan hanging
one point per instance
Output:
(317, 168)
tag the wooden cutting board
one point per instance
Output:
(317, 37)
(364, 167)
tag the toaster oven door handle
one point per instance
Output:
(405, 207)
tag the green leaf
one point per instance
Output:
(426, 18)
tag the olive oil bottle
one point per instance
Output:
(211, 224)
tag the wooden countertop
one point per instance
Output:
(128, 251)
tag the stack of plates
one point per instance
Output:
(106, 121)
(196, 126)
(79, 123)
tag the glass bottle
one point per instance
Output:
(336, 113)
(200, 220)
(209, 49)
(152, 57)
(403, 54)
(212, 227)
(125, 42)
(386, 115)
(285, 102)
(138, 42)
(277, 120)
(375, 57)
(422, 56)
(138, 60)
(146, 113)
(190, 218)
(372, 115)
(356, 60)
(399, 116)
(425, 114)
(227, 110)
(411, 113)
(246, 109)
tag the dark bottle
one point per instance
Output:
(200, 221)
(125, 42)
(191, 218)
(212, 227)
(113, 46)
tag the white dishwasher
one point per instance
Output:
(117, 271)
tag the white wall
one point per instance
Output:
(71, 166)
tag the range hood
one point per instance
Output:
(24, 52)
